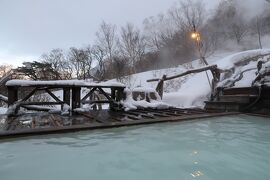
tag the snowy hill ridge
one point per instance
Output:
(192, 90)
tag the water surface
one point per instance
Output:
(234, 147)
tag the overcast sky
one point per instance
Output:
(29, 28)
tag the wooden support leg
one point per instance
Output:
(76, 97)
(120, 94)
(113, 96)
(12, 95)
(13, 98)
(119, 97)
(66, 96)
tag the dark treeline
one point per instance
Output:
(163, 42)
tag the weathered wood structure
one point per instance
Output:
(71, 95)
(44, 123)
(213, 68)
(247, 99)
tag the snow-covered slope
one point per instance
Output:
(193, 90)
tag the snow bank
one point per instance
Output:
(16, 82)
(249, 68)
(192, 93)
(229, 61)
(3, 110)
(130, 104)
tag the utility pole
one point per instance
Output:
(195, 35)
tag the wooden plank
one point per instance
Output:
(97, 101)
(125, 114)
(161, 112)
(35, 108)
(142, 114)
(155, 113)
(40, 103)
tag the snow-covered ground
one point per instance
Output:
(191, 90)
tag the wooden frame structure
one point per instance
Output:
(213, 68)
(71, 96)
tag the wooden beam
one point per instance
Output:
(3, 98)
(53, 95)
(186, 73)
(105, 94)
(40, 103)
(88, 94)
(97, 101)
(29, 95)
(36, 108)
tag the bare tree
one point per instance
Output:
(81, 59)
(5, 69)
(99, 55)
(132, 44)
(229, 21)
(107, 39)
(120, 67)
(257, 27)
(239, 29)
(157, 31)
(188, 15)
(58, 62)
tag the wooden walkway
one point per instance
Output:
(45, 123)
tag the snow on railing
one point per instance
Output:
(82, 83)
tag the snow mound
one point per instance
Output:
(130, 104)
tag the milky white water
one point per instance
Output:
(234, 147)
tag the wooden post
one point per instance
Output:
(160, 86)
(113, 93)
(114, 97)
(12, 95)
(76, 97)
(119, 96)
(66, 96)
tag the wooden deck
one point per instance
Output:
(45, 123)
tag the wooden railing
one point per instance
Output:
(216, 73)
(71, 96)
(213, 69)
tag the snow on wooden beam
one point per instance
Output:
(81, 83)
(3, 98)
(186, 73)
